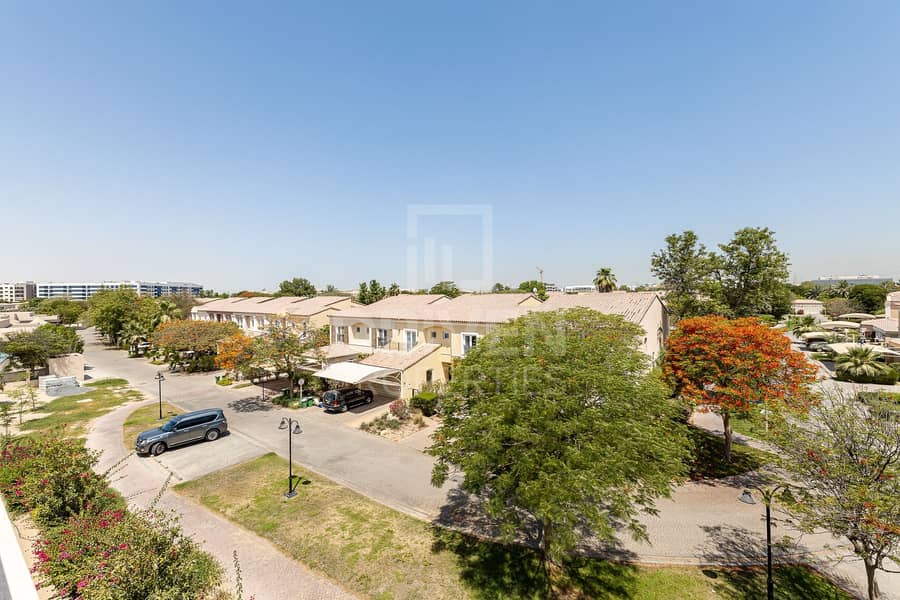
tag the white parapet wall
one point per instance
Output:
(15, 581)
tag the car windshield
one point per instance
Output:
(329, 396)
(170, 426)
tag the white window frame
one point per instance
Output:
(406, 333)
(340, 334)
(474, 335)
(387, 337)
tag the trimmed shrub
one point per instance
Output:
(888, 377)
(224, 380)
(427, 402)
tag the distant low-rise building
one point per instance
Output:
(832, 280)
(885, 329)
(255, 314)
(580, 289)
(808, 307)
(82, 290)
(17, 292)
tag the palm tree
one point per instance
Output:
(132, 334)
(841, 290)
(168, 311)
(801, 325)
(605, 280)
(859, 361)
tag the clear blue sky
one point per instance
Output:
(238, 144)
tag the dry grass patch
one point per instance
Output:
(380, 553)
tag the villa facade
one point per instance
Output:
(401, 344)
(254, 315)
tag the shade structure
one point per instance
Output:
(839, 325)
(844, 347)
(353, 373)
(815, 335)
(860, 316)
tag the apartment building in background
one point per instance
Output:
(17, 292)
(82, 290)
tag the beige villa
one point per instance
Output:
(400, 344)
(254, 314)
(885, 329)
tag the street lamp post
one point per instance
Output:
(293, 428)
(160, 378)
(747, 498)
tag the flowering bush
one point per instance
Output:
(118, 554)
(399, 409)
(53, 477)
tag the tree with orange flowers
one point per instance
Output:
(235, 353)
(728, 365)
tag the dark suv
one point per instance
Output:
(341, 400)
(207, 425)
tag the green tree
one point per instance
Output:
(752, 272)
(499, 288)
(800, 325)
(282, 350)
(605, 280)
(394, 290)
(869, 297)
(684, 267)
(846, 460)
(549, 419)
(533, 286)
(69, 311)
(109, 310)
(298, 286)
(447, 288)
(31, 349)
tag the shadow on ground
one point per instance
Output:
(251, 404)
(746, 550)
(495, 569)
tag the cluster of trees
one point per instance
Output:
(282, 350)
(375, 291)
(126, 318)
(69, 311)
(845, 298)
(747, 276)
(31, 349)
(192, 344)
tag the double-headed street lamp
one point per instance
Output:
(293, 428)
(747, 498)
(160, 378)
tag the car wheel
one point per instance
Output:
(369, 399)
(343, 408)
(212, 435)
(157, 449)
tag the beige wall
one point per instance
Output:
(414, 377)
(656, 330)
(70, 365)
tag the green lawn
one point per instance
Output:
(146, 418)
(75, 411)
(110, 382)
(377, 552)
(709, 459)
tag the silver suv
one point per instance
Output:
(207, 425)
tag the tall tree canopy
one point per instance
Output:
(447, 288)
(556, 422)
(846, 457)
(298, 286)
(752, 272)
(869, 297)
(605, 280)
(533, 284)
(69, 311)
(684, 267)
(727, 366)
(199, 336)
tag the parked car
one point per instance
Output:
(341, 400)
(818, 346)
(208, 424)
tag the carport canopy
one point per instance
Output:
(353, 373)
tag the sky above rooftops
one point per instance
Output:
(237, 145)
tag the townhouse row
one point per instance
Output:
(402, 344)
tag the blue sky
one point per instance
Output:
(237, 145)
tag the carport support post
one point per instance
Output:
(160, 378)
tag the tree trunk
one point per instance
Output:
(726, 423)
(872, 585)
